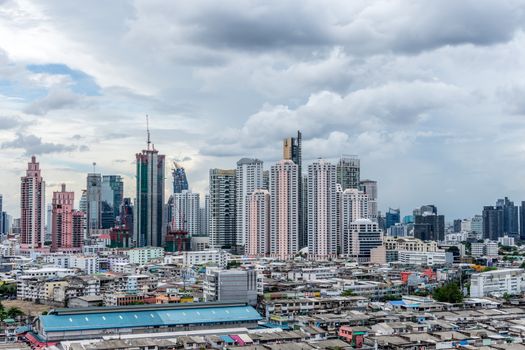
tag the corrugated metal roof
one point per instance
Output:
(147, 318)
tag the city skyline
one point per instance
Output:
(439, 108)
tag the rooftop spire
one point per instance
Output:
(147, 128)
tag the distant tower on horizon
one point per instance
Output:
(292, 150)
(148, 218)
(32, 207)
(180, 180)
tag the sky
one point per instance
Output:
(429, 94)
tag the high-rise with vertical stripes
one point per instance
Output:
(322, 210)
(148, 218)
(249, 177)
(32, 207)
(284, 209)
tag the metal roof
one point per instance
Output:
(147, 318)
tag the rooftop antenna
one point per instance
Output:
(147, 128)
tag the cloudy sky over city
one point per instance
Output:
(429, 94)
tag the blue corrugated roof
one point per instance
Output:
(227, 339)
(397, 302)
(150, 318)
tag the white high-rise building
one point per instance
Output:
(284, 190)
(353, 205)
(249, 177)
(369, 187)
(258, 223)
(185, 212)
(322, 210)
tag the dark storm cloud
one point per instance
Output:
(33, 145)
(368, 27)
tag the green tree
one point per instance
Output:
(347, 293)
(448, 293)
(13, 312)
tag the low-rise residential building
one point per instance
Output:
(215, 257)
(424, 258)
(487, 248)
(497, 283)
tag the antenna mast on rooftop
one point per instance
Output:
(147, 128)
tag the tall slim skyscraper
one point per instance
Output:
(32, 207)
(112, 193)
(1, 216)
(180, 180)
(292, 150)
(93, 201)
(349, 172)
(322, 210)
(522, 221)
(149, 205)
(258, 223)
(222, 208)
(284, 209)
(126, 214)
(185, 212)
(66, 223)
(249, 177)
(493, 218)
(370, 188)
(510, 216)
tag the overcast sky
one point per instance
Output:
(429, 94)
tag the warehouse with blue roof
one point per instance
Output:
(95, 322)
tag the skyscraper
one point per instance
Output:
(148, 218)
(428, 225)
(284, 209)
(180, 180)
(349, 172)
(222, 208)
(510, 216)
(185, 212)
(392, 217)
(93, 201)
(322, 210)
(292, 150)
(112, 193)
(66, 223)
(1, 216)
(370, 188)
(258, 223)
(353, 205)
(522, 221)
(32, 207)
(249, 177)
(126, 214)
(493, 218)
